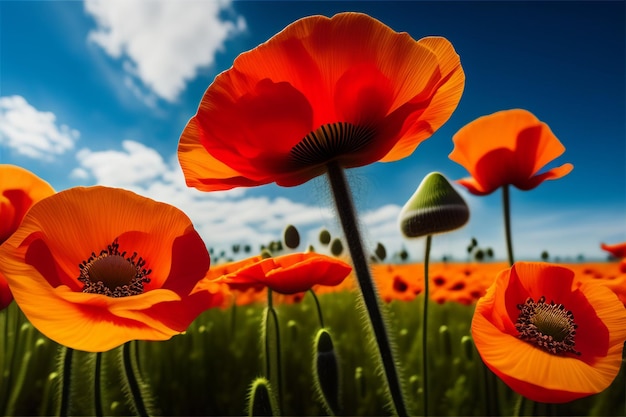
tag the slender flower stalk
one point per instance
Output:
(435, 207)
(271, 312)
(319, 308)
(97, 390)
(506, 207)
(132, 381)
(347, 216)
(425, 325)
(66, 355)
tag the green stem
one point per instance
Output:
(97, 392)
(319, 308)
(506, 205)
(519, 406)
(345, 208)
(271, 312)
(425, 325)
(66, 379)
(132, 379)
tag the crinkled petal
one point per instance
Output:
(531, 371)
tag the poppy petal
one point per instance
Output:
(618, 249)
(289, 274)
(19, 190)
(349, 70)
(41, 263)
(539, 375)
(507, 147)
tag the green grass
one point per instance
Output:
(208, 370)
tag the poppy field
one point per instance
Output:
(221, 352)
(111, 303)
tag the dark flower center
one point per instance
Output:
(113, 274)
(548, 326)
(330, 141)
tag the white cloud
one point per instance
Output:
(137, 164)
(31, 132)
(222, 218)
(235, 217)
(163, 43)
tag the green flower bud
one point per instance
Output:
(291, 237)
(326, 371)
(261, 401)
(435, 207)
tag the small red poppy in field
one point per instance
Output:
(548, 336)
(286, 274)
(19, 190)
(95, 267)
(507, 147)
(618, 250)
(346, 89)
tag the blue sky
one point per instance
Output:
(98, 92)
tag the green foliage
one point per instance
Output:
(207, 370)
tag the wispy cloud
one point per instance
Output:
(235, 217)
(163, 43)
(222, 218)
(31, 132)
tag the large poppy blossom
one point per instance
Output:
(346, 89)
(95, 267)
(285, 274)
(550, 337)
(507, 147)
(19, 190)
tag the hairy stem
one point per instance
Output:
(66, 379)
(347, 216)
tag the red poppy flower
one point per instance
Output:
(618, 250)
(548, 336)
(345, 89)
(19, 190)
(287, 274)
(507, 147)
(95, 267)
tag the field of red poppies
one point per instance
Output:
(207, 370)
(112, 305)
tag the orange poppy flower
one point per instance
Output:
(287, 274)
(548, 336)
(618, 250)
(19, 190)
(507, 147)
(345, 89)
(95, 267)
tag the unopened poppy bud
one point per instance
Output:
(435, 207)
(265, 254)
(380, 251)
(292, 325)
(467, 347)
(324, 237)
(415, 385)
(359, 380)
(445, 340)
(326, 371)
(336, 247)
(291, 237)
(261, 401)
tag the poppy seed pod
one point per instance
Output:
(326, 371)
(261, 401)
(435, 207)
